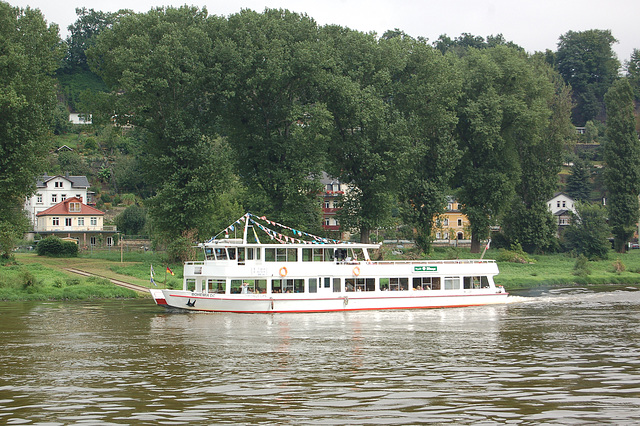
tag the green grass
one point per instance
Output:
(33, 277)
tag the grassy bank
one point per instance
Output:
(33, 277)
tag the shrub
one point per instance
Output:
(515, 255)
(581, 267)
(618, 266)
(53, 246)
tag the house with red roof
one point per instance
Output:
(72, 218)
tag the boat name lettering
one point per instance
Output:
(203, 294)
(425, 269)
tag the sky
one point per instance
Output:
(533, 25)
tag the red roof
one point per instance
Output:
(62, 209)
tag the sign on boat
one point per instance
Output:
(286, 270)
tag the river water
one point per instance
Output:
(560, 357)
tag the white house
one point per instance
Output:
(561, 206)
(51, 190)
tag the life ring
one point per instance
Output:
(283, 272)
(356, 271)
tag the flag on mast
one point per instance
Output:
(169, 271)
(151, 273)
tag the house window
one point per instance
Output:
(326, 222)
(446, 235)
(459, 222)
(558, 204)
(74, 207)
(55, 221)
(54, 198)
(92, 241)
(39, 198)
(109, 241)
(564, 204)
(94, 221)
(446, 222)
(326, 204)
(438, 235)
(449, 206)
(81, 221)
(57, 184)
(67, 221)
(329, 187)
(63, 197)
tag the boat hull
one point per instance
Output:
(331, 302)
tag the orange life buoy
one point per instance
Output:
(283, 272)
(356, 271)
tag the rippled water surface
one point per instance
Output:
(563, 357)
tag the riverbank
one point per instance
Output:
(33, 277)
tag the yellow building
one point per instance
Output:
(451, 224)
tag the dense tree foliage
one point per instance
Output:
(578, 181)
(30, 51)
(586, 61)
(160, 68)
(273, 116)
(588, 233)
(633, 73)
(622, 157)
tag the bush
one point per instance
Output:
(515, 255)
(618, 267)
(53, 246)
(581, 268)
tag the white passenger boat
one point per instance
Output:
(298, 272)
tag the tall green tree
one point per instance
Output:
(633, 73)
(622, 158)
(587, 62)
(368, 132)
(164, 78)
(274, 119)
(489, 168)
(578, 181)
(425, 88)
(30, 51)
(541, 109)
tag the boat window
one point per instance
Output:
(327, 283)
(280, 254)
(307, 255)
(221, 254)
(287, 286)
(476, 282)
(241, 256)
(253, 286)
(452, 283)
(398, 284)
(318, 254)
(208, 254)
(232, 253)
(191, 284)
(270, 255)
(336, 285)
(426, 283)
(250, 253)
(313, 284)
(340, 254)
(360, 284)
(328, 255)
(216, 285)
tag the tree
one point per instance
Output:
(164, 79)
(633, 73)
(30, 51)
(132, 220)
(368, 134)
(587, 62)
(622, 158)
(588, 233)
(425, 89)
(273, 117)
(578, 181)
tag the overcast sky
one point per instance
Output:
(535, 26)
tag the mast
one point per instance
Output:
(246, 228)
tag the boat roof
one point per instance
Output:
(284, 235)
